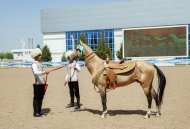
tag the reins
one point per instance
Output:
(90, 57)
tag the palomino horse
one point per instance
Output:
(143, 73)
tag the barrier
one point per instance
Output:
(28, 64)
(161, 62)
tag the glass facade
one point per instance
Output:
(92, 38)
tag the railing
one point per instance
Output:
(159, 62)
(28, 64)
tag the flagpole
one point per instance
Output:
(73, 42)
(23, 52)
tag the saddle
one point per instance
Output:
(120, 68)
(115, 68)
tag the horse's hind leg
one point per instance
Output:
(155, 96)
(147, 91)
(149, 98)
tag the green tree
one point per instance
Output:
(46, 55)
(119, 53)
(38, 46)
(83, 39)
(63, 59)
(103, 48)
(9, 55)
(2, 56)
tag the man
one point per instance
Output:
(39, 83)
(72, 79)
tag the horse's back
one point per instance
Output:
(144, 72)
(144, 66)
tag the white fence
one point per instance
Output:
(28, 64)
(169, 62)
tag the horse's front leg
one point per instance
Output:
(104, 100)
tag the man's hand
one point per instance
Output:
(46, 72)
(65, 83)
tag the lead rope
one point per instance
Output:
(45, 85)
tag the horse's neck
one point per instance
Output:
(94, 64)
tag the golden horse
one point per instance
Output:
(140, 71)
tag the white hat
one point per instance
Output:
(69, 54)
(36, 52)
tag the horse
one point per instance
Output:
(143, 73)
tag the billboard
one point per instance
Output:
(170, 41)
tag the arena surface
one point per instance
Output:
(126, 106)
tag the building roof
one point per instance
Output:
(128, 14)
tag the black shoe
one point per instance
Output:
(77, 107)
(40, 108)
(37, 115)
(40, 113)
(70, 105)
(35, 106)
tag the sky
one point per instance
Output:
(20, 20)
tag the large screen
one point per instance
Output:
(168, 41)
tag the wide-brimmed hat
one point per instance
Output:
(69, 54)
(36, 52)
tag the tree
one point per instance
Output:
(46, 55)
(63, 59)
(120, 52)
(83, 39)
(9, 55)
(2, 56)
(103, 48)
(38, 46)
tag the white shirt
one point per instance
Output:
(37, 69)
(71, 73)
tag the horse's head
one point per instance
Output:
(79, 51)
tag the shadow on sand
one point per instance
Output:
(116, 112)
(45, 111)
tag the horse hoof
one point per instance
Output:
(147, 116)
(157, 114)
(103, 116)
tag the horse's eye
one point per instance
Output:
(78, 50)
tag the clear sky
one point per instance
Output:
(21, 19)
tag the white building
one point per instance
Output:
(61, 24)
(22, 54)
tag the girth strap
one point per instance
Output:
(96, 77)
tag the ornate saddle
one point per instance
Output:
(120, 68)
(114, 68)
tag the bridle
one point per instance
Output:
(88, 57)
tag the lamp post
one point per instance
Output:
(23, 51)
(73, 42)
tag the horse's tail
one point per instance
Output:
(162, 84)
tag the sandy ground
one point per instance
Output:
(127, 105)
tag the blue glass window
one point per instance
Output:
(92, 38)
